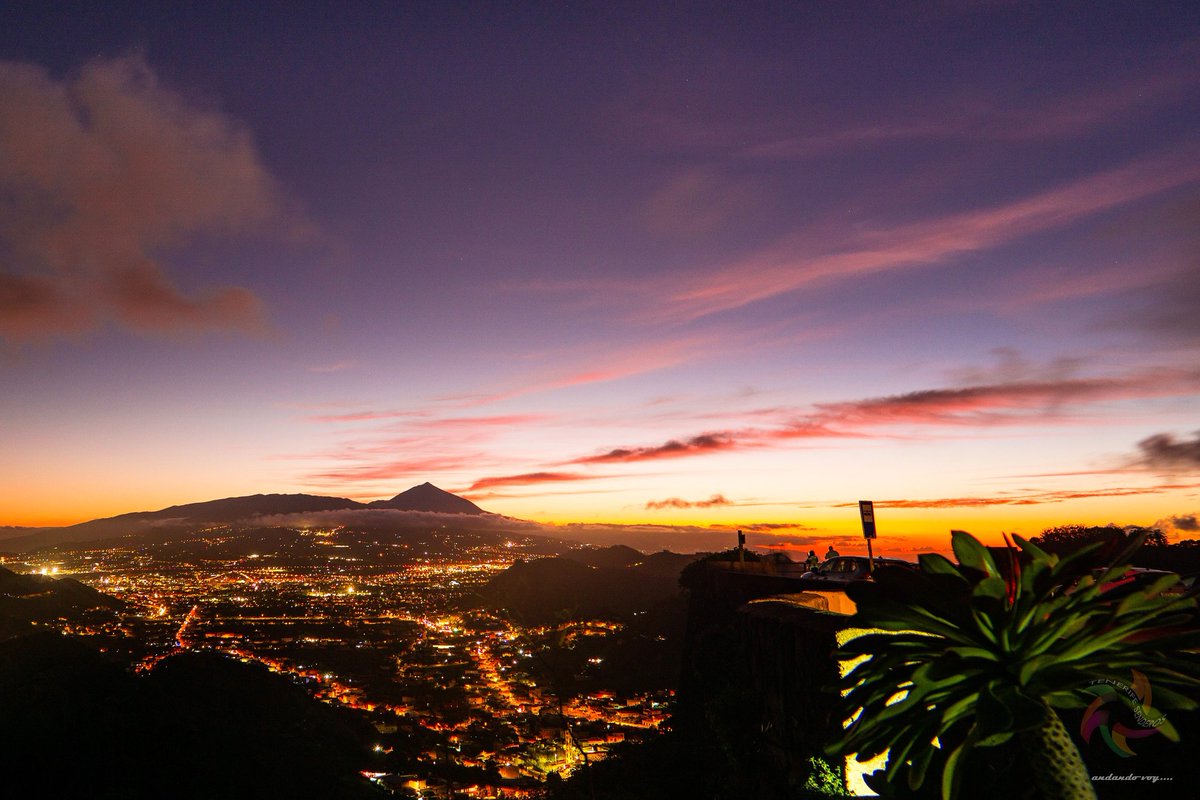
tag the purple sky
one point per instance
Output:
(708, 265)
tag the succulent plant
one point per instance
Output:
(965, 656)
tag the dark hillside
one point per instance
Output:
(38, 598)
(198, 726)
(551, 589)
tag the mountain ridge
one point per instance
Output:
(427, 497)
(598, 582)
(424, 497)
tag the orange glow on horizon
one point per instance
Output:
(49, 519)
(790, 528)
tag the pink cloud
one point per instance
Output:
(429, 444)
(1028, 498)
(1044, 286)
(983, 118)
(998, 403)
(105, 170)
(674, 448)
(529, 479)
(37, 305)
(811, 257)
(1010, 403)
(613, 364)
(678, 502)
(416, 466)
(480, 497)
(145, 300)
(770, 527)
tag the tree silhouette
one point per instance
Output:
(1066, 538)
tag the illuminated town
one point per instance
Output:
(463, 698)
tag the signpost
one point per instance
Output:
(866, 510)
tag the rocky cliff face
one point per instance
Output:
(753, 689)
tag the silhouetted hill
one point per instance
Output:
(198, 726)
(542, 590)
(621, 556)
(618, 555)
(665, 562)
(38, 598)
(428, 497)
(16, 539)
(230, 509)
(550, 589)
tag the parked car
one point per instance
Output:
(844, 569)
(1139, 579)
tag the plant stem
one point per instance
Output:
(1057, 767)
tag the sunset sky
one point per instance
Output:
(706, 265)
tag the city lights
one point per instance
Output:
(470, 681)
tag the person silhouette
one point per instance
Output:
(812, 561)
(831, 553)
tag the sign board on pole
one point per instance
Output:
(866, 510)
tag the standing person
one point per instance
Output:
(831, 553)
(812, 561)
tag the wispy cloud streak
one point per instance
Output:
(394, 469)
(678, 502)
(613, 364)
(1029, 498)
(1009, 403)
(1058, 116)
(674, 448)
(530, 479)
(807, 258)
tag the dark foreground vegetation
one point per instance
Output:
(77, 725)
(760, 712)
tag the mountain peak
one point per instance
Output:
(428, 497)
